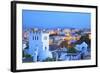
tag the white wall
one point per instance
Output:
(5, 37)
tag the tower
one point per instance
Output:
(39, 46)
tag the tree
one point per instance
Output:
(71, 49)
(84, 38)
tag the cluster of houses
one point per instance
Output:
(40, 51)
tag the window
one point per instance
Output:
(45, 48)
(83, 48)
(45, 37)
(33, 37)
(37, 37)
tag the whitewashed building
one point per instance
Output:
(82, 47)
(39, 46)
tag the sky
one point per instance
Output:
(55, 19)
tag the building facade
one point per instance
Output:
(39, 46)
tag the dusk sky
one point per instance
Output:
(52, 19)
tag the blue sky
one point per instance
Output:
(54, 19)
